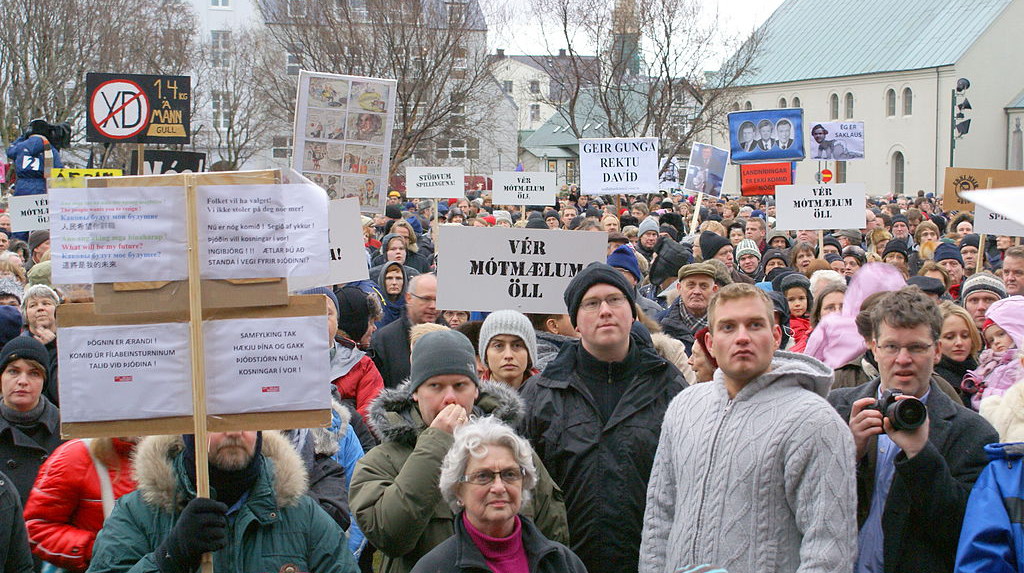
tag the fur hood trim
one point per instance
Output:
(397, 417)
(161, 486)
(327, 441)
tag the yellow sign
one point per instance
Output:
(966, 179)
(75, 178)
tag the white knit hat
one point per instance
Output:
(508, 322)
(747, 247)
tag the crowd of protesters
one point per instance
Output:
(718, 395)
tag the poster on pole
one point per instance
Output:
(138, 108)
(488, 269)
(435, 182)
(613, 166)
(1001, 210)
(347, 255)
(813, 207)
(524, 188)
(706, 170)
(342, 137)
(766, 136)
(161, 161)
(762, 178)
(836, 141)
(958, 180)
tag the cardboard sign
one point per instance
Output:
(999, 209)
(619, 165)
(706, 170)
(961, 179)
(435, 182)
(342, 137)
(347, 253)
(29, 212)
(836, 141)
(524, 188)
(766, 136)
(118, 234)
(762, 178)
(160, 161)
(138, 108)
(487, 269)
(812, 207)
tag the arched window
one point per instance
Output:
(735, 106)
(898, 169)
(849, 105)
(890, 103)
(796, 101)
(748, 105)
(908, 101)
(833, 106)
(782, 102)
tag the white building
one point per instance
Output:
(894, 66)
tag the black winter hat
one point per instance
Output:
(536, 223)
(711, 243)
(353, 312)
(672, 256)
(393, 212)
(596, 273)
(830, 240)
(971, 240)
(669, 230)
(896, 247)
(28, 348)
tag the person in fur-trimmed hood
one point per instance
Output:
(260, 519)
(395, 496)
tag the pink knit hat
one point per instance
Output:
(1008, 314)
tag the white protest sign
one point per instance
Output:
(118, 234)
(262, 231)
(486, 269)
(115, 372)
(347, 254)
(812, 207)
(435, 182)
(267, 364)
(836, 140)
(29, 212)
(524, 188)
(998, 211)
(619, 165)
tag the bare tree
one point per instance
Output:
(436, 50)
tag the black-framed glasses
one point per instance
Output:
(485, 477)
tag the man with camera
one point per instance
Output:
(918, 452)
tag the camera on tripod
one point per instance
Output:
(59, 135)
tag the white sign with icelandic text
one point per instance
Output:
(998, 211)
(435, 182)
(814, 207)
(615, 166)
(29, 212)
(524, 188)
(347, 261)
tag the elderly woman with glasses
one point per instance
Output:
(487, 475)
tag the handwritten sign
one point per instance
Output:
(435, 182)
(524, 188)
(813, 207)
(619, 165)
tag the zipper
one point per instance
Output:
(707, 476)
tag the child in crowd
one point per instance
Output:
(797, 290)
(998, 368)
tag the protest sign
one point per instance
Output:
(837, 141)
(435, 182)
(138, 108)
(669, 178)
(347, 255)
(762, 178)
(117, 234)
(706, 170)
(523, 188)
(160, 161)
(487, 269)
(342, 139)
(262, 231)
(76, 178)
(961, 179)
(999, 209)
(766, 136)
(132, 363)
(812, 207)
(619, 165)
(29, 212)
(266, 364)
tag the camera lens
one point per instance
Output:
(907, 414)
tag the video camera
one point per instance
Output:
(907, 414)
(59, 135)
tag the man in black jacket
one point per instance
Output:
(594, 417)
(390, 344)
(912, 484)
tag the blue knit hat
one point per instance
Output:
(947, 251)
(623, 258)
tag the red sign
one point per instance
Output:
(826, 175)
(761, 178)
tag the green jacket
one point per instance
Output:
(276, 527)
(395, 496)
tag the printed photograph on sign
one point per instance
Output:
(837, 141)
(369, 96)
(761, 136)
(325, 124)
(362, 159)
(706, 169)
(328, 92)
(366, 126)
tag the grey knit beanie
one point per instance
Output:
(508, 322)
(648, 224)
(442, 352)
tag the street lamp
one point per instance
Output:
(959, 125)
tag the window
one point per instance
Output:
(282, 146)
(849, 105)
(782, 102)
(833, 106)
(898, 184)
(570, 170)
(456, 13)
(747, 105)
(735, 107)
(908, 101)
(459, 148)
(506, 86)
(534, 112)
(460, 63)
(840, 172)
(219, 104)
(296, 8)
(293, 63)
(890, 103)
(796, 101)
(458, 116)
(535, 86)
(553, 165)
(220, 3)
(220, 48)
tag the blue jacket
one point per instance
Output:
(27, 156)
(992, 538)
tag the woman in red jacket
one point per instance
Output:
(66, 509)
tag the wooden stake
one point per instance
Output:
(821, 242)
(140, 162)
(981, 253)
(696, 212)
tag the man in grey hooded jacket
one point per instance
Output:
(754, 472)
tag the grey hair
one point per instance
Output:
(38, 291)
(472, 439)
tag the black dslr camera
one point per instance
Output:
(907, 414)
(59, 135)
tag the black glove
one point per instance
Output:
(202, 528)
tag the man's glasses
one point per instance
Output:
(614, 301)
(426, 299)
(891, 350)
